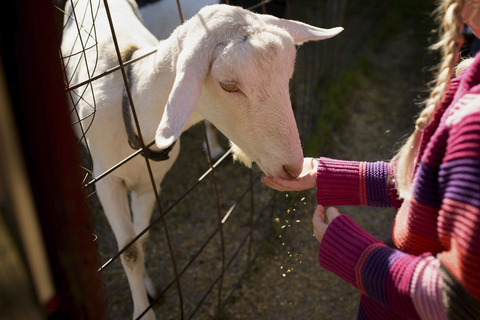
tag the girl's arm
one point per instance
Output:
(440, 285)
(341, 183)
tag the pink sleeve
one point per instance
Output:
(405, 284)
(338, 183)
(353, 183)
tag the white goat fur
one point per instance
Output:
(178, 86)
(161, 18)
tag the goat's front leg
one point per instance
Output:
(142, 207)
(113, 196)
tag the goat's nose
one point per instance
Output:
(292, 171)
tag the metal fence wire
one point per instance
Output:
(224, 244)
(227, 258)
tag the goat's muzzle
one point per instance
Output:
(292, 172)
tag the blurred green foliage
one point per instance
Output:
(335, 95)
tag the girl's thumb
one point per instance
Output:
(332, 213)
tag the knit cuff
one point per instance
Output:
(392, 191)
(353, 183)
(338, 183)
(377, 184)
(341, 247)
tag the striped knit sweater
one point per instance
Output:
(430, 268)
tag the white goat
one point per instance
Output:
(161, 17)
(227, 65)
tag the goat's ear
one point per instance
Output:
(302, 32)
(191, 69)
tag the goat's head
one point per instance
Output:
(236, 65)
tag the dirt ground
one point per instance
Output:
(285, 280)
(380, 113)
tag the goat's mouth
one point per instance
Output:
(282, 173)
(288, 173)
(285, 171)
(239, 155)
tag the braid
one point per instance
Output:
(451, 39)
(449, 44)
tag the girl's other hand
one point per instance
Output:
(318, 220)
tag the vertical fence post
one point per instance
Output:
(34, 76)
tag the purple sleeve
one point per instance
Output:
(380, 272)
(355, 183)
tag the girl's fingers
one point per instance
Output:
(332, 213)
(270, 182)
(318, 214)
(306, 180)
(319, 226)
(318, 220)
(282, 185)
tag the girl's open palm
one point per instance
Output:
(306, 180)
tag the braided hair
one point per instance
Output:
(451, 26)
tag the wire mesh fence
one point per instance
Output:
(203, 238)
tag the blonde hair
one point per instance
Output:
(451, 26)
(463, 64)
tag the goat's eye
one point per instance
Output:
(229, 86)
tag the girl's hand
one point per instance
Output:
(318, 220)
(306, 180)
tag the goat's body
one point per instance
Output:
(107, 140)
(161, 17)
(189, 78)
(107, 137)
